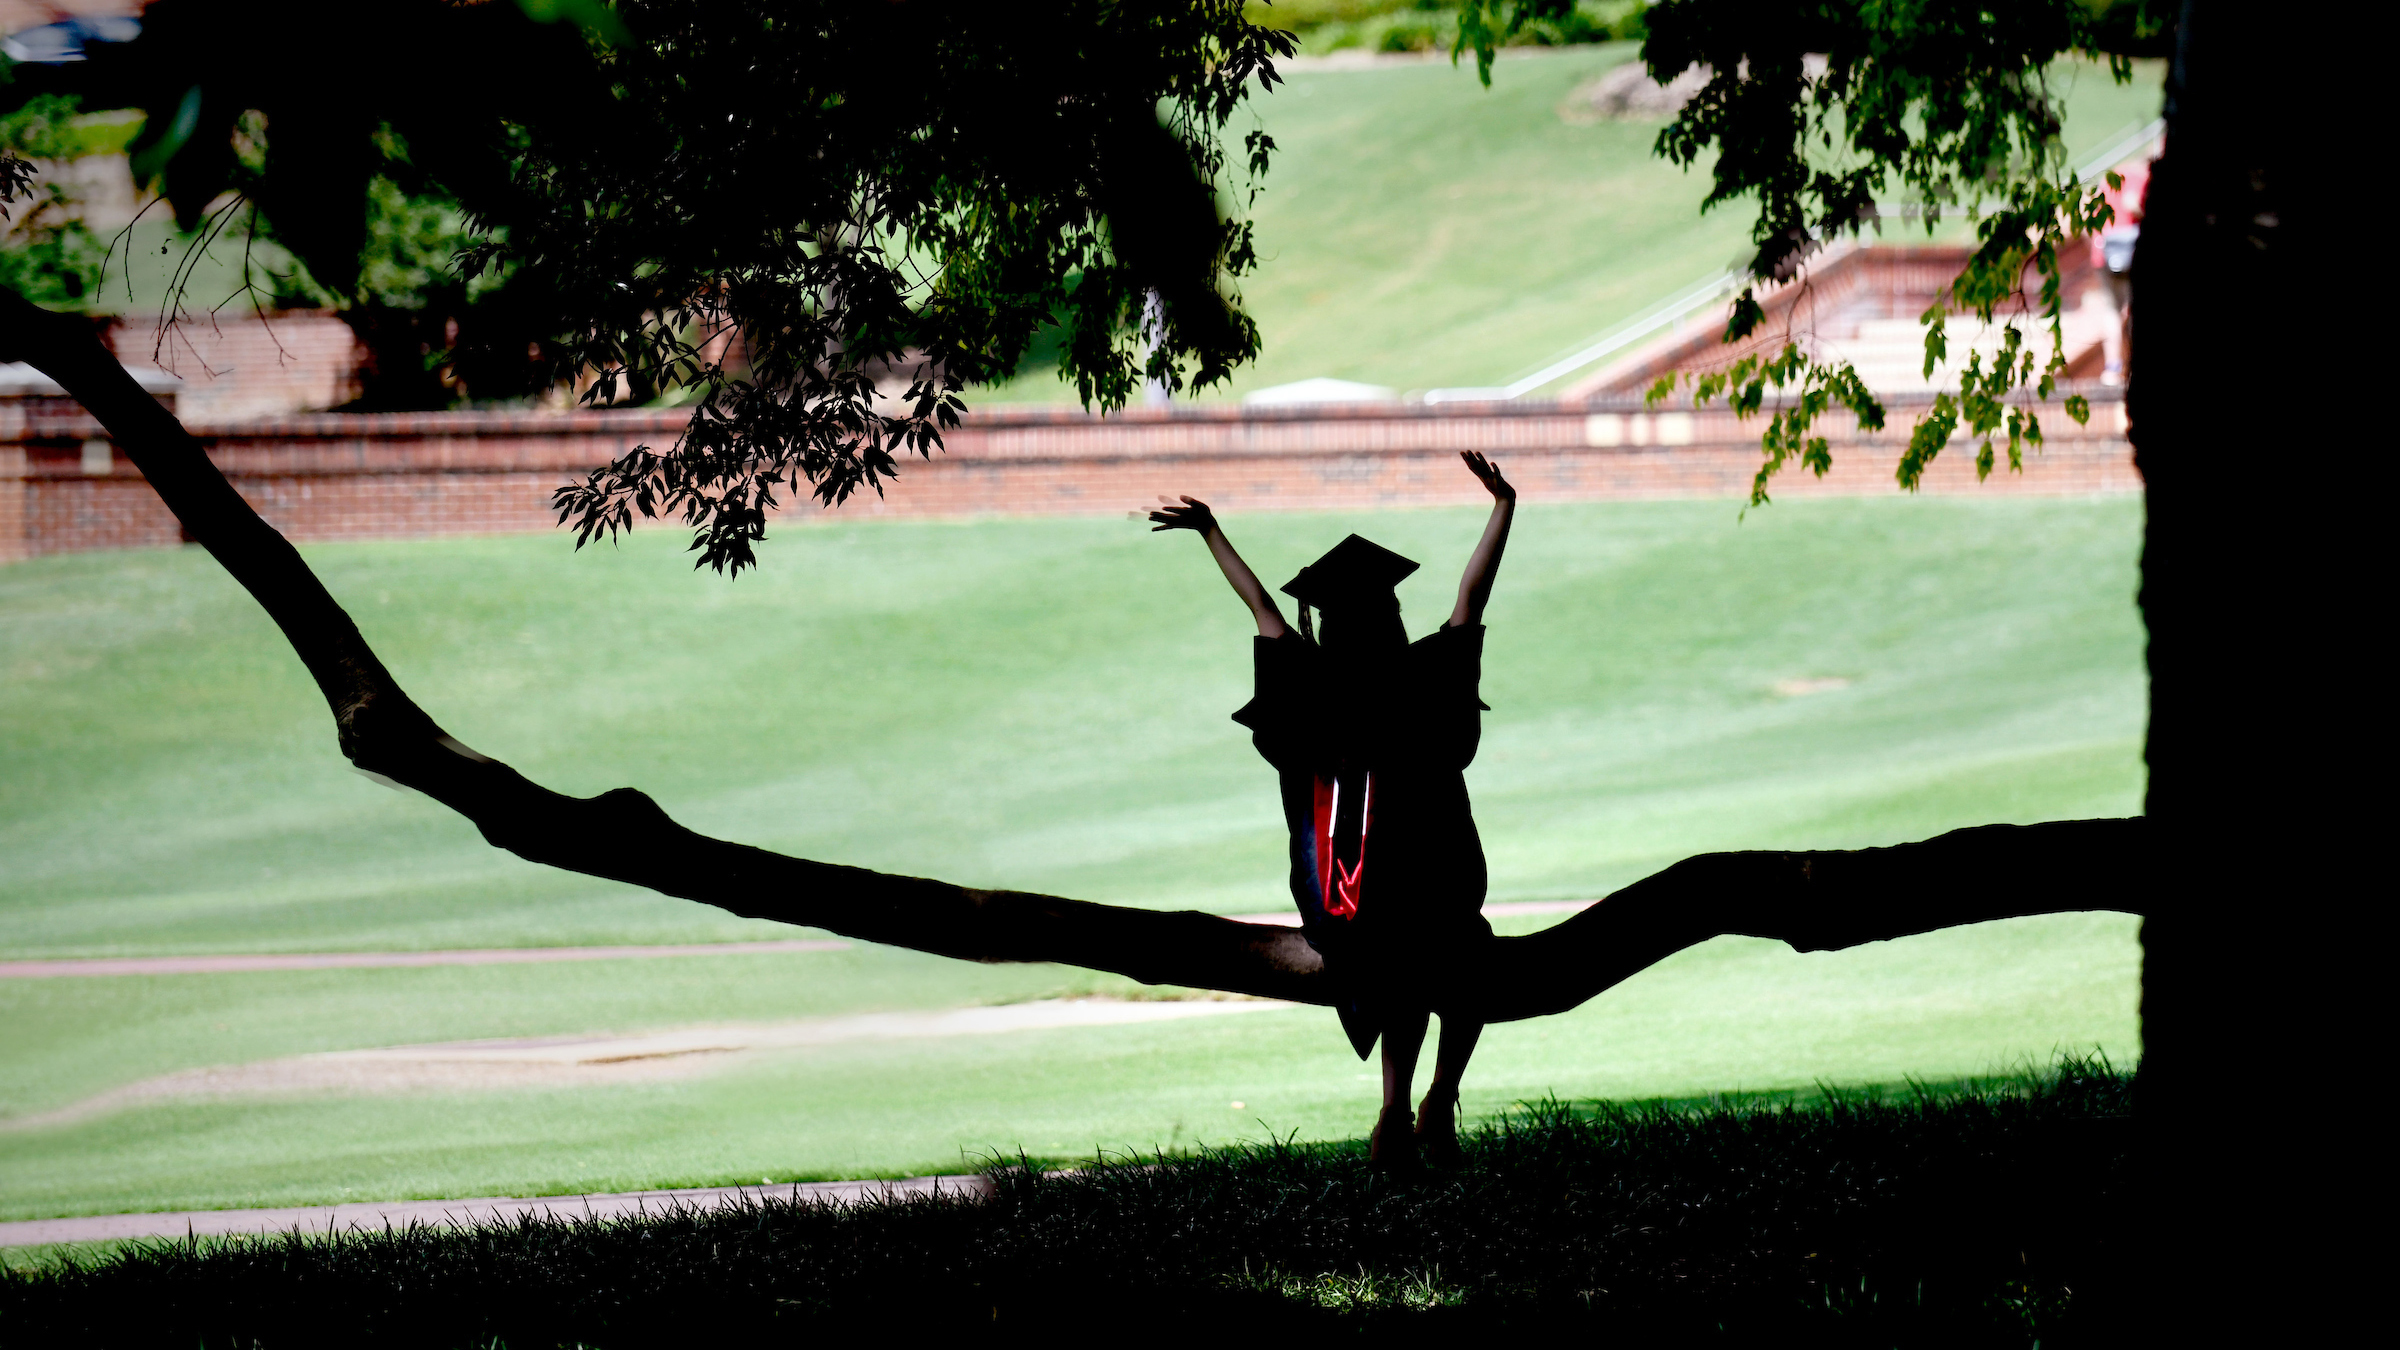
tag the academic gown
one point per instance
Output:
(1386, 867)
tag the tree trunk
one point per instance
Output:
(1814, 900)
(2255, 593)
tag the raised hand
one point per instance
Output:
(1192, 514)
(1484, 470)
(1475, 587)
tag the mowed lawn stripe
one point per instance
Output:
(487, 956)
(613, 1060)
(530, 956)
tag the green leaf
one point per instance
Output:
(592, 16)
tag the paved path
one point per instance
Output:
(521, 956)
(374, 1215)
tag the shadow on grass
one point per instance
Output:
(1991, 1213)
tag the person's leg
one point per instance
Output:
(2103, 315)
(1450, 1057)
(1437, 1118)
(2112, 336)
(1393, 1145)
(1403, 1039)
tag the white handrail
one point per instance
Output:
(2123, 149)
(1614, 340)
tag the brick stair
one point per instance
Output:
(1863, 305)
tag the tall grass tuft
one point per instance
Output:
(1987, 1213)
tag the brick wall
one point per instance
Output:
(236, 364)
(62, 488)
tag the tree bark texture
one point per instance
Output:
(1813, 900)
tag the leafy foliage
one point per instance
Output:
(766, 183)
(1486, 25)
(430, 334)
(349, 166)
(1854, 1216)
(1434, 25)
(762, 205)
(1818, 109)
(50, 254)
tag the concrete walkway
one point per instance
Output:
(375, 1215)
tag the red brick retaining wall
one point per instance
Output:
(334, 476)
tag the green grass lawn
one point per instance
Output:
(1847, 1218)
(1734, 1014)
(1418, 230)
(1035, 704)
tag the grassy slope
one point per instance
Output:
(1418, 230)
(1039, 705)
(1036, 704)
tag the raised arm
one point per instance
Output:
(1475, 587)
(1195, 516)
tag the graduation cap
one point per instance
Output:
(1352, 570)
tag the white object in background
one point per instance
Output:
(1155, 393)
(1321, 390)
(1608, 430)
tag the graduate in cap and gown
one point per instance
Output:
(1370, 736)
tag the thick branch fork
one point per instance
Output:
(1813, 900)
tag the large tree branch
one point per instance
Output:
(621, 835)
(1822, 901)
(1812, 900)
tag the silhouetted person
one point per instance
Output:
(1371, 735)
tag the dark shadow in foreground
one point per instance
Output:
(1990, 1213)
